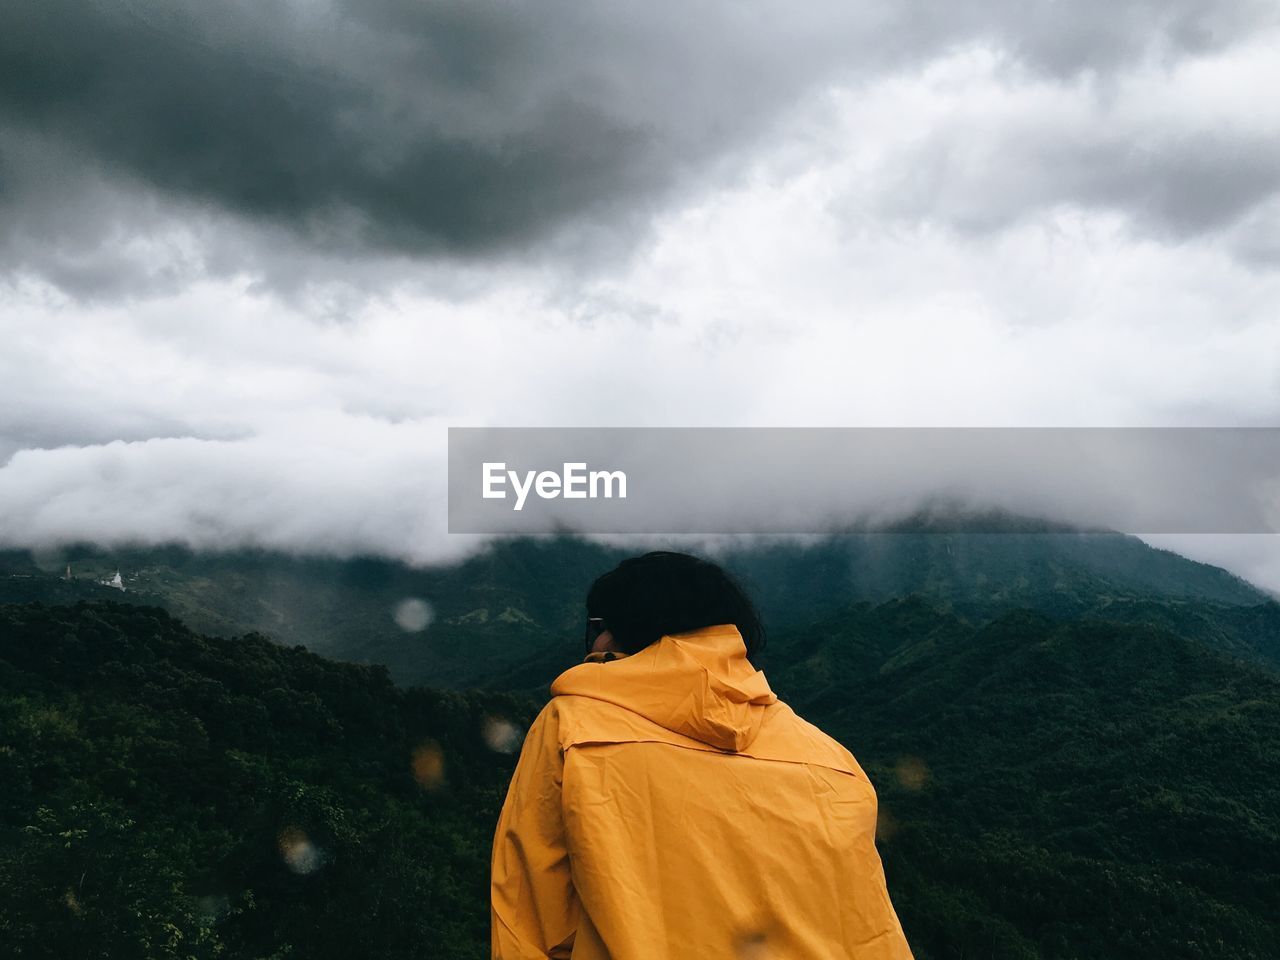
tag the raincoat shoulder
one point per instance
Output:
(668, 805)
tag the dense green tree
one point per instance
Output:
(1049, 788)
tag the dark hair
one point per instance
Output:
(646, 598)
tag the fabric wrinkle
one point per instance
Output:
(667, 805)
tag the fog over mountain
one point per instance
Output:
(255, 260)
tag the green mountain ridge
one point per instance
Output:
(511, 615)
(179, 796)
(1056, 788)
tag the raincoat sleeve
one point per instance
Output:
(533, 906)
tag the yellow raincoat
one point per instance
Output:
(668, 806)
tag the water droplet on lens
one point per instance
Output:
(428, 765)
(299, 853)
(912, 773)
(413, 614)
(502, 736)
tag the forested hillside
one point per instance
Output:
(510, 616)
(170, 795)
(1048, 789)
(1056, 789)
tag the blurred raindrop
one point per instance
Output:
(912, 773)
(213, 906)
(501, 735)
(300, 854)
(886, 824)
(428, 765)
(413, 614)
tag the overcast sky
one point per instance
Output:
(256, 258)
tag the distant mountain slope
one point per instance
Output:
(980, 574)
(492, 609)
(511, 616)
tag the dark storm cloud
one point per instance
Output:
(410, 126)
(466, 128)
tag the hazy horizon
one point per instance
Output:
(256, 260)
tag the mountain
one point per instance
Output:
(1048, 789)
(492, 608)
(1055, 789)
(981, 573)
(978, 576)
(511, 616)
(169, 795)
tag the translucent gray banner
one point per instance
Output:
(820, 480)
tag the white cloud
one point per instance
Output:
(837, 279)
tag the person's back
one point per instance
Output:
(667, 805)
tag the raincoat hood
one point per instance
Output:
(699, 684)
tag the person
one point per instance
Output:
(666, 804)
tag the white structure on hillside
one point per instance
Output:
(115, 581)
